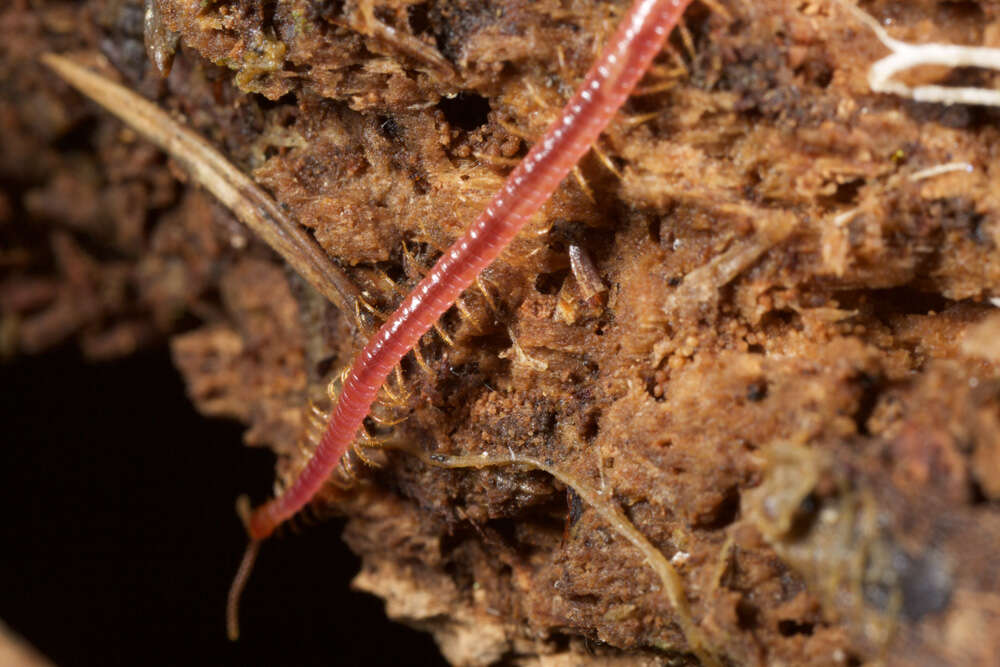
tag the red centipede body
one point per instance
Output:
(624, 61)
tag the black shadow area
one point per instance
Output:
(119, 537)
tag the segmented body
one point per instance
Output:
(624, 61)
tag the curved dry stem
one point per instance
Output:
(666, 572)
(209, 168)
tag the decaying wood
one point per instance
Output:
(789, 388)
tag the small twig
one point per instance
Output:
(208, 167)
(906, 56)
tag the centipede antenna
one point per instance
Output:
(236, 589)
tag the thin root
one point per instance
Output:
(906, 56)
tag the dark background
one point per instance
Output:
(119, 536)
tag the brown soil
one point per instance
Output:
(790, 386)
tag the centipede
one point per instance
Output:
(617, 326)
(626, 57)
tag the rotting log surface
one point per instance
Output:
(791, 388)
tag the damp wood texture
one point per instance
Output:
(731, 395)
